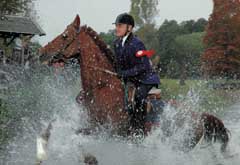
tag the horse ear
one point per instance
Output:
(77, 21)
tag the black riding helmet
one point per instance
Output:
(125, 18)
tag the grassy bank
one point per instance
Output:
(210, 99)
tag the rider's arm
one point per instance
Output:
(142, 63)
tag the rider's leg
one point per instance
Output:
(139, 114)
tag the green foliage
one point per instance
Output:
(166, 35)
(148, 35)
(207, 99)
(200, 25)
(190, 42)
(171, 89)
(108, 37)
(144, 11)
(14, 6)
(192, 26)
(180, 42)
(189, 48)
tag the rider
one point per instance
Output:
(137, 70)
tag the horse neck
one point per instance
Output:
(103, 91)
(94, 61)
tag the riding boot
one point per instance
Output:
(138, 117)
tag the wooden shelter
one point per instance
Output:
(21, 28)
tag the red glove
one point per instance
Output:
(147, 53)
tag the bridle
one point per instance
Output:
(60, 54)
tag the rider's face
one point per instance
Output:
(121, 29)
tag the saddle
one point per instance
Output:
(154, 106)
(153, 99)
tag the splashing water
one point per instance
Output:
(41, 96)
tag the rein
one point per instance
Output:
(103, 70)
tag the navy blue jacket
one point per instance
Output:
(132, 68)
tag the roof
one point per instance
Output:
(20, 25)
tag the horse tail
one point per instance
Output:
(214, 130)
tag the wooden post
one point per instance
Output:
(4, 50)
(25, 43)
(22, 56)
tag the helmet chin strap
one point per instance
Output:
(127, 31)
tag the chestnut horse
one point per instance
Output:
(103, 93)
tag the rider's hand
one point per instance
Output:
(120, 75)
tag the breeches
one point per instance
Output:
(139, 113)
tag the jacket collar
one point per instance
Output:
(118, 41)
(129, 38)
(124, 39)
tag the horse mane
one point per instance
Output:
(100, 43)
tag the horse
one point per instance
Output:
(102, 91)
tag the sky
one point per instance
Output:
(55, 15)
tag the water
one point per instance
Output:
(41, 97)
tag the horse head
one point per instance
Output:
(64, 46)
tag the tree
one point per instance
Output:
(148, 35)
(191, 26)
(144, 11)
(171, 49)
(13, 7)
(222, 56)
(166, 35)
(108, 37)
(188, 26)
(188, 50)
(200, 25)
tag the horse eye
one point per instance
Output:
(64, 35)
